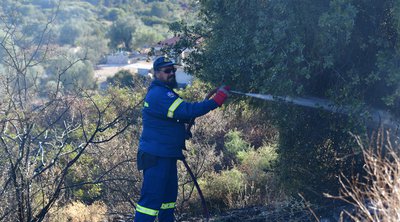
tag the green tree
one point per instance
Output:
(114, 14)
(75, 11)
(73, 73)
(121, 32)
(70, 32)
(159, 9)
(145, 36)
(94, 48)
(93, 43)
(341, 50)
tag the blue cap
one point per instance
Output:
(162, 62)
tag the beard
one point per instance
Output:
(172, 82)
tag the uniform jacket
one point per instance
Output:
(164, 117)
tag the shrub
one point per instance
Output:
(234, 142)
(223, 189)
(256, 164)
(124, 78)
(201, 158)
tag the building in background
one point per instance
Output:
(118, 58)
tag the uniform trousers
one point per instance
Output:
(159, 189)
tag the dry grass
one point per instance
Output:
(79, 212)
(376, 196)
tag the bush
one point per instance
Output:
(223, 189)
(235, 144)
(202, 158)
(257, 164)
(124, 78)
(250, 182)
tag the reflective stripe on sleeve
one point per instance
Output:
(145, 210)
(173, 107)
(166, 206)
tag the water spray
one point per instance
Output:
(380, 117)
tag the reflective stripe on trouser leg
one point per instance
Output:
(166, 213)
(145, 210)
(165, 206)
(144, 214)
(160, 185)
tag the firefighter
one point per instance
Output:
(162, 140)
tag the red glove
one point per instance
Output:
(221, 95)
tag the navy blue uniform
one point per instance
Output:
(161, 142)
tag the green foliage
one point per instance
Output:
(70, 11)
(86, 170)
(50, 88)
(77, 19)
(95, 2)
(145, 36)
(222, 187)
(235, 144)
(28, 10)
(262, 158)
(159, 9)
(80, 75)
(114, 14)
(94, 48)
(124, 78)
(73, 73)
(249, 181)
(341, 50)
(70, 32)
(257, 164)
(121, 32)
(153, 20)
(195, 92)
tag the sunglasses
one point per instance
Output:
(169, 71)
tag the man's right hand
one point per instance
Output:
(221, 95)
